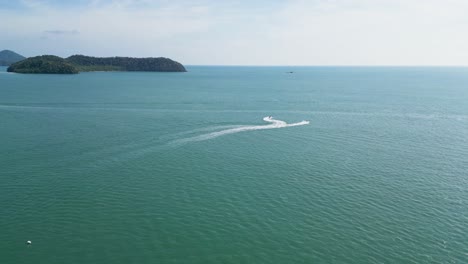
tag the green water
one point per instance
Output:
(168, 167)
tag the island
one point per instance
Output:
(8, 57)
(79, 63)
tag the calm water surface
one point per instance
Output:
(179, 168)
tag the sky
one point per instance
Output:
(243, 32)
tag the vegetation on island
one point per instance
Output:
(81, 63)
(43, 64)
(86, 63)
(8, 57)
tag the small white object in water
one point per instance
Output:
(29, 242)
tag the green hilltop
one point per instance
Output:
(81, 63)
(43, 64)
(8, 57)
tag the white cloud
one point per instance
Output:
(333, 32)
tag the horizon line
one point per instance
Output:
(318, 65)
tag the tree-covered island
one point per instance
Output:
(81, 63)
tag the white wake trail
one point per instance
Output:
(274, 124)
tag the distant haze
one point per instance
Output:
(313, 32)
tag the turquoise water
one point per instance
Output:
(179, 168)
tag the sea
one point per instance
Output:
(235, 165)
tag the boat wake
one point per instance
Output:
(274, 124)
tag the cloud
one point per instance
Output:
(313, 32)
(61, 32)
(46, 34)
(31, 3)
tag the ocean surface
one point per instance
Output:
(235, 165)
